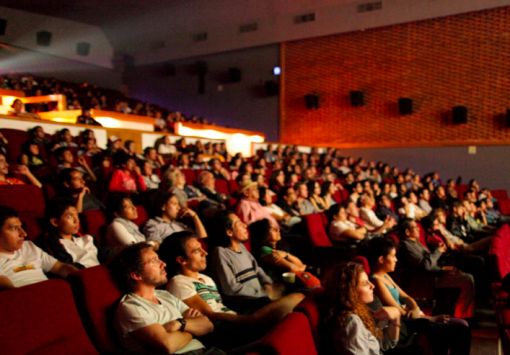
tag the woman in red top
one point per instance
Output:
(128, 178)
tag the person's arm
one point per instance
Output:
(5, 283)
(279, 259)
(140, 184)
(381, 291)
(199, 227)
(161, 339)
(196, 323)
(406, 299)
(352, 338)
(120, 234)
(84, 165)
(62, 269)
(79, 200)
(358, 234)
(422, 258)
(150, 230)
(24, 160)
(314, 204)
(23, 170)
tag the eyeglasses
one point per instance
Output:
(153, 261)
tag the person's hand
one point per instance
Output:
(201, 198)
(442, 247)
(275, 256)
(443, 318)
(138, 170)
(84, 190)
(286, 217)
(23, 170)
(185, 211)
(191, 313)
(81, 160)
(223, 196)
(390, 314)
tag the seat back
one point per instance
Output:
(42, 319)
(316, 232)
(190, 176)
(97, 297)
(142, 216)
(310, 308)
(222, 186)
(290, 337)
(233, 187)
(16, 140)
(94, 223)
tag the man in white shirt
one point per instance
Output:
(343, 230)
(21, 262)
(423, 203)
(367, 214)
(150, 320)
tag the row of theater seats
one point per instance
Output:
(55, 317)
(499, 256)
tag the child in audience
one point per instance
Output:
(63, 240)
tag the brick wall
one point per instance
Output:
(440, 63)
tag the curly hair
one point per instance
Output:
(342, 297)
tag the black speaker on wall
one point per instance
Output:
(459, 114)
(234, 75)
(83, 48)
(3, 26)
(312, 102)
(271, 88)
(357, 98)
(44, 38)
(405, 106)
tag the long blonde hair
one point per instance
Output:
(343, 299)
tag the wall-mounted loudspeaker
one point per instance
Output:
(459, 114)
(312, 102)
(44, 38)
(357, 99)
(234, 75)
(271, 88)
(3, 26)
(83, 48)
(405, 106)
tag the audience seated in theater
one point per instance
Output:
(356, 189)
(328, 189)
(477, 220)
(207, 184)
(164, 224)
(439, 199)
(20, 169)
(264, 239)
(244, 284)
(269, 154)
(451, 192)
(342, 228)
(130, 148)
(423, 203)
(407, 209)
(32, 159)
(314, 196)
(287, 201)
(249, 208)
(199, 163)
(113, 146)
(149, 320)
(184, 161)
(152, 156)
(371, 222)
(63, 241)
(492, 215)
(218, 171)
(457, 223)
(38, 136)
(351, 327)
(66, 139)
(18, 110)
(21, 262)
(86, 118)
(164, 147)
(186, 259)
(128, 178)
(122, 231)
(89, 148)
(65, 159)
(72, 185)
(150, 179)
(275, 211)
(444, 333)
(419, 258)
(384, 208)
(302, 204)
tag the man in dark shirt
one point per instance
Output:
(384, 208)
(457, 223)
(286, 199)
(73, 185)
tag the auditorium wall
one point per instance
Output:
(239, 105)
(439, 63)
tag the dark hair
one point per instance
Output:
(160, 200)
(223, 223)
(283, 192)
(86, 140)
(7, 212)
(311, 187)
(62, 132)
(128, 143)
(57, 206)
(173, 247)
(147, 150)
(325, 188)
(59, 153)
(127, 261)
(379, 198)
(262, 196)
(259, 231)
(335, 209)
(428, 222)
(65, 175)
(115, 203)
(377, 247)
(404, 225)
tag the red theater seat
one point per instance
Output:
(97, 297)
(190, 176)
(142, 216)
(94, 223)
(310, 308)
(290, 337)
(16, 139)
(222, 186)
(316, 231)
(42, 319)
(233, 187)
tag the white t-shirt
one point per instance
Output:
(82, 250)
(135, 312)
(184, 287)
(27, 265)
(118, 236)
(412, 211)
(369, 217)
(274, 209)
(336, 228)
